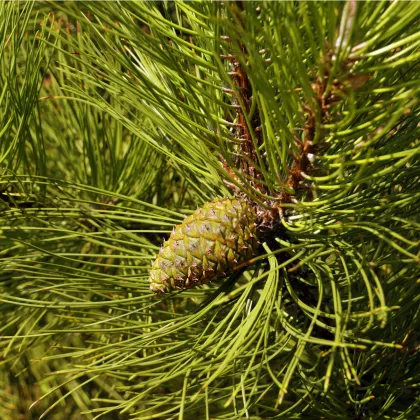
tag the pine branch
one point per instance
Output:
(135, 130)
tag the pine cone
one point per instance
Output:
(206, 246)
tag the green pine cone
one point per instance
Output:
(206, 246)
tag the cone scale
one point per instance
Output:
(208, 245)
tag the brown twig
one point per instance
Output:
(247, 131)
(246, 160)
(325, 97)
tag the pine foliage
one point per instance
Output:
(119, 119)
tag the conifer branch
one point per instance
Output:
(247, 130)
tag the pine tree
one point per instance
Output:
(125, 121)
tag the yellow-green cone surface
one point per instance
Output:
(208, 245)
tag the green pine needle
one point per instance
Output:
(120, 118)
